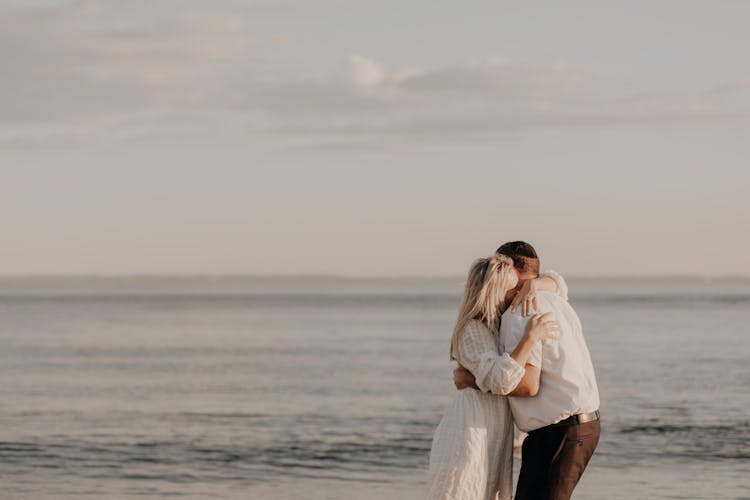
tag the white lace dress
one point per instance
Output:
(471, 456)
(472, 450)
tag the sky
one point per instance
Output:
(373, 138)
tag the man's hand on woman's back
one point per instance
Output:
(464, 379)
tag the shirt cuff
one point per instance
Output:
(513, 376)
(499, 376)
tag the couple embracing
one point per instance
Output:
(522, 357)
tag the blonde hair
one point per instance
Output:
(484, 297)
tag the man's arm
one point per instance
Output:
(464, 379)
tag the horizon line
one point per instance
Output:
(337, 276)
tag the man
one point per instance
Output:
(557, 401)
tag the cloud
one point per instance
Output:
(79, 72)
(100, 64)
(364, 72)
(485, 96)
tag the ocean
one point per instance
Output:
(331, 388)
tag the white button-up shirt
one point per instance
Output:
(567, 385)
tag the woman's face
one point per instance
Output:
(513, 279)
(506, 296)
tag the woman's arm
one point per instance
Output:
(529, 351)
(540, 327)
(547, 281)
(481, 364)
(561, 287)
(484, 368)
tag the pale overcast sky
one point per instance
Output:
(373, 138)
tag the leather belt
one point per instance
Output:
(578, 419)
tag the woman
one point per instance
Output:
(471, 456)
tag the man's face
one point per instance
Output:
(522, 278)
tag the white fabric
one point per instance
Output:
(567, 385)
(492, 378)
(471, 456)
(562, 287)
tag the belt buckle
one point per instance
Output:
(588, 417)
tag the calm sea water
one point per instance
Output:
(331, 389)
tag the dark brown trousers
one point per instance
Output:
(553, 460)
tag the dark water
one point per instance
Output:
(325, 388)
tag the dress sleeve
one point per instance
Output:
(562, 287)
(478, 352)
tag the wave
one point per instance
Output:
(691, 441)
(258, 447)
(656, 429)
(158, 459)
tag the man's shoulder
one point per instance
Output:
(552, 302)
(510, 316)
(548, 301)
(513, 322)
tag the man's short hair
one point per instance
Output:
(525, 258)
